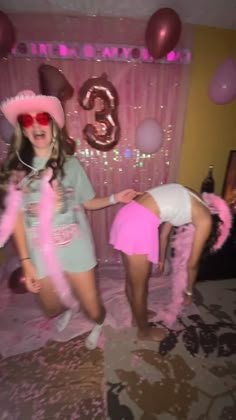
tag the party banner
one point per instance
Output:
(97, 52)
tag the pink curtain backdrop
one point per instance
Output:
(145, 91)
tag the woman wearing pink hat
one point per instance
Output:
(135, 233)
(47, 194)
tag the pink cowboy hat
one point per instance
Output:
(219, 206)
(27, 101)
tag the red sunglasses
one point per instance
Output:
(26, 120)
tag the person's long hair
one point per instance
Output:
(23, 146)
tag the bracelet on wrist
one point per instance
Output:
(23, 259)
(112, 199)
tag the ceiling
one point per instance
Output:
(219, 13)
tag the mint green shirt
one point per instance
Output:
(71, 231)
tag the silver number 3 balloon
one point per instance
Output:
(100, 94)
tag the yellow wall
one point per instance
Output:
(210, 129)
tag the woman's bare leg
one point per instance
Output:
(51, 304)
(150, 314)
(137, 269)
(49, 300)
(84, 287)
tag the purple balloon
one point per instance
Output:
(149, 136)
(222, 88)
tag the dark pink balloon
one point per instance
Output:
(53, 82)
(162, 32)
(222, 87)
(7, 35)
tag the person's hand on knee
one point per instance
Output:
(32, 285)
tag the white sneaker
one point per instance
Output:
(92, 339)
(64, 320)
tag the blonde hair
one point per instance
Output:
(16, 143)
(21, 145)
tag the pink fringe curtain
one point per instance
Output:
(145, 91)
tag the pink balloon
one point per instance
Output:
(149, 136)
(222, 87)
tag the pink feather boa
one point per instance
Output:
(182, 244)
(8, 220)
(219, 206)
(52, 265)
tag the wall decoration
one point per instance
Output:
(97, 52)
(99, 93)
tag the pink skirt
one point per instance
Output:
(135, 231)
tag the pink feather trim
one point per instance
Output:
(182, 244)
(52, 264)
(7, 224)
(219, 206)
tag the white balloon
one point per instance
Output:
(149, 136)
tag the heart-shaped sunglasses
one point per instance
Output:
(26, 120)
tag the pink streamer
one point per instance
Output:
(7, 224)
(53, 267)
